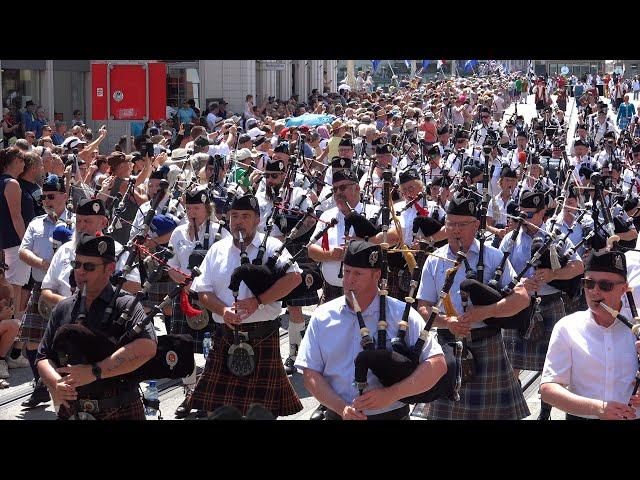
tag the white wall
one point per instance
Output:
(231, 80)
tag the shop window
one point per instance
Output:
(20, 86)
(182, 84)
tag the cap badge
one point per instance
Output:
(280, 166)
(472, 208)
(253, 202)
(203, 198)
(536, 200)
(95, 207)
(618, 263)
(373, 258)
(102, 248)
(342, 162)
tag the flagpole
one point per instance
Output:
(390, 67)
(413, 68)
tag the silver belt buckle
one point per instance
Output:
(244, 335)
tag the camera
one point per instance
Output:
(149, 149)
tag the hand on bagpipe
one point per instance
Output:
(76, 343)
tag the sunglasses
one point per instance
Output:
(272, 175)
(87, 266)
(51, 196)
(604, 285)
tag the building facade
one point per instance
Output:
(64, 86)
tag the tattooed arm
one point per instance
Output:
(128, 358)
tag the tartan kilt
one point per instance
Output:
(268, 385)
(330, 292)
(132, 411)
(33, 325)
(179, 324)
(527, 354)
(158, 291)
(492, 394)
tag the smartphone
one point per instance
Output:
(149, 149)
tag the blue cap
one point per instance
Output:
(162, 224)
(61, 234)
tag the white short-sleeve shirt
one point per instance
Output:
(332, 342)
(222, 259)
(592, 361)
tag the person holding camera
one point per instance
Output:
(113, 189)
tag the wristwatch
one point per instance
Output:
(96, 370)
(260, 304)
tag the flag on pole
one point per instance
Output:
(407, 63)
(425, 64)
(470, 64)
(375, 64)
(440, 64)
(532, 70)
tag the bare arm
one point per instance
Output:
(50, 297)
(281, 288)
(317, 254)
(321, 390)
(31, 259)
(571, 270)
(13, 194)
(128, 358)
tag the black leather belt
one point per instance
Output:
(477, 334)
(401, 413)
(96, 406)
(264, 330)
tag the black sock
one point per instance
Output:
(15, 353)
(31, 356)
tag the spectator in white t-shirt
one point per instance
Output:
(212, 116)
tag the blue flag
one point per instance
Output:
(407, 63)
(425, 63)
(375, 64)
(470, 64)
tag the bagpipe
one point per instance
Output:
(77, 343)
(554, 260)
(260, 278)
(526, 321)
(240, 360)
(393, 366)
(362, 227)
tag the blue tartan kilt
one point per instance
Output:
(493, 393)
(530, 355)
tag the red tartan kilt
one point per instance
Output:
(268, 385)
